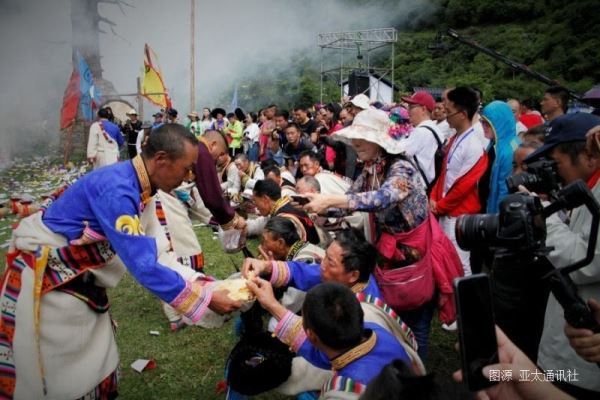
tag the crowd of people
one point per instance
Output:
(355, 206)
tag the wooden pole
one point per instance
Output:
(140, 99)
(69, 142)
(192, 56)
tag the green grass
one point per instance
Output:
(190, 363)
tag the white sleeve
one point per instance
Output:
(138, 141)
(256, 226)
(92, 145)
(198, 210)
(414, 143)
(233, 180)
(571, 246)
(258, 176)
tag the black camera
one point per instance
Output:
(520, 225)
(521, 272)
(541, 177)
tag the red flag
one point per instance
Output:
(68, 112)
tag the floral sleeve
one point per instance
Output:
(396, 187)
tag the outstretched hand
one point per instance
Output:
(222, 304)
(254, 267)
(263, 290)
(317, 204)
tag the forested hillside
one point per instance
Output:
(555, 38)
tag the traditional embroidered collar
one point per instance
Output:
(355, 353)
(143, 178)
(359, 287)
(294, 250)
(278, 204)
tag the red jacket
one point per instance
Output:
(446, 266)
(463, 196)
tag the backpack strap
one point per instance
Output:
(437, 139)
(421, 171)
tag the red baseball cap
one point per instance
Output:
(421, 98)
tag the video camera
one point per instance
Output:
(518, 235)
(541, 177)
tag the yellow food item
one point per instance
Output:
(237, 289)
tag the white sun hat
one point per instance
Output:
(373, 126)
(361, 101)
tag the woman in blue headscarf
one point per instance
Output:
(500, 127)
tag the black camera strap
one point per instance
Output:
(439, 148)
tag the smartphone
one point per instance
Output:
(300, 200)
(476, 329)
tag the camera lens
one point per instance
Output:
(476, 230)
(526, 179)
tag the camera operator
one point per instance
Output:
(566, 144)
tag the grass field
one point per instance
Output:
(189, 363)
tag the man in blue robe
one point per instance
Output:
(56, 336)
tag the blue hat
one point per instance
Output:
(566, 128)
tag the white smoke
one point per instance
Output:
(233, 38)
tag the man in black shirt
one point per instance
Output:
(130, 130)
(301, 118)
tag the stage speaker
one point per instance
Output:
(358, 82)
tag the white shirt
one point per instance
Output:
(445, 130)
(521, 127)
(138, 141)
(104, 149)
(422, 144)
(206, 124)
(570, 245)
(252, 132)
(331, 183)
(462, 156)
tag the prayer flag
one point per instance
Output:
(90, 94)
(68, 112)
(153, 87)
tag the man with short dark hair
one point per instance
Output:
(332, 334)
(287, 188)
(455, 192)
(301, 118)
(281, 123)
(310, 165)
(297, 143)
(268, 201)
(83, 243)
(131, 129)
(565, 144)
(555, 102)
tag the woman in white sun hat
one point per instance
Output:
(391, 189)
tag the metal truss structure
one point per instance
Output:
(361, 44)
